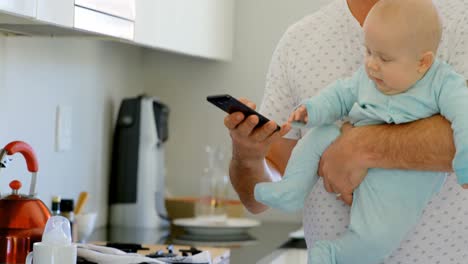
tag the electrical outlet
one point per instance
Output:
(63, 134)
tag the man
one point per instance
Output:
(314, 52)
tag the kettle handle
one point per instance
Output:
(27, 151)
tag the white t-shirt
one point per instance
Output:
(326, 46)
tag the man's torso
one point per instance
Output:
(328, 46)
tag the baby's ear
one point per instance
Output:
(425, 62)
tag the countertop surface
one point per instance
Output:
(258, 243)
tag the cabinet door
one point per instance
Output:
(145, 21)
(120, 8)
(19, 7)
(197, 27)
(59, 12)
(93, 21)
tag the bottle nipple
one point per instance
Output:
(57, 231)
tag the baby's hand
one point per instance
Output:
(465, 186)
(299, 115)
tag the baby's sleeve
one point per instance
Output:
(453, 104)
(335, 101)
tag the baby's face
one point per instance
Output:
(390, 61)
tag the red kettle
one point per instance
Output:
(22, 216)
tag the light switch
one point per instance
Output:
(63, 133)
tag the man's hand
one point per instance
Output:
(465, 186)
(250, 144)
(341, 167)
(426, 144)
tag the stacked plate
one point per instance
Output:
(203, 227)
(231, 232)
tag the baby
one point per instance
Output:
(401, 81)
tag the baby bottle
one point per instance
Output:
(56, 246)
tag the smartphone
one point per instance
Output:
(230, 105)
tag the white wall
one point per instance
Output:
(91, 76)
(184, 82)
(2, 62)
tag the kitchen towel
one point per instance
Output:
(107, 255)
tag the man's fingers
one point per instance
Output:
(232, 120)
(264, 132)
(327, 185)
(285, 128)
(245, 128)
(347, 198)
(346, 127)
(320, 168)
(248, 102)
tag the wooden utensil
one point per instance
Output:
(82, 199)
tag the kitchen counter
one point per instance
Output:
(258, 243)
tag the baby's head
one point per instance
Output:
(401, 38)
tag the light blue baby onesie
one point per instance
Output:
(388, 203)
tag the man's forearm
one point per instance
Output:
(244, 176)
(421, 145)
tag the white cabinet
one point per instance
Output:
(112, 18)
(145, 32)
(58, 12)
(197, 27)
(202, 28)
(120, 8)
(19, 7)
(93, 21)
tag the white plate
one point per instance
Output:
(238, 240)
(298, 234)
(232, 226)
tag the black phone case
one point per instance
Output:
(230, 105)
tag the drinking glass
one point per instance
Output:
(84, 223)
(211, 204)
